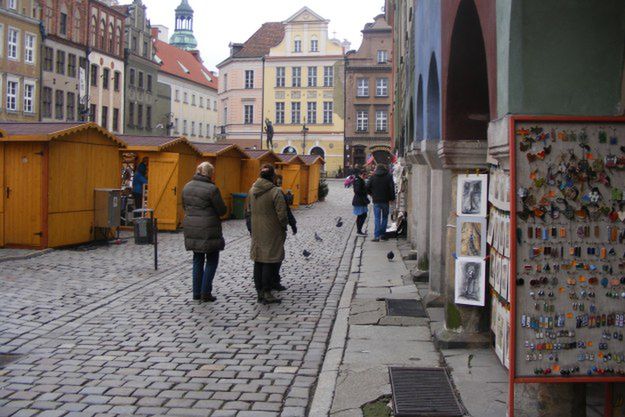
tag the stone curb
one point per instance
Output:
(29, 255)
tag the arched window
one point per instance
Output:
(318, 151)
(94, 31)
(289, 150)
(102, 34)
(118, 40)
(111, 39)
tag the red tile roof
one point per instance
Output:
(35, 128)
(288, 157)
(266, 37)
(158, 142)
(311, 159)
(18, 131)
(174, 59)
(262, 153)
(218, 148)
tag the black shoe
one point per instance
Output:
(196, 297)
(268, 298)
(361, 233)
(208, 298)
(279, 287)
(259, 297)
(383, 239)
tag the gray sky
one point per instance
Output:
(216, 24)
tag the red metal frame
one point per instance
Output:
(512, 378)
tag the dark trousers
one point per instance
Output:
(360, 221)
(204, 268)
(138, 199)
(265, 275)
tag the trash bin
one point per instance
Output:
(238, 205)
(143, 227)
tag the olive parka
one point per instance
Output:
(203, 207)
(268, 212)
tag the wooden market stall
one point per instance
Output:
(290, 168)
(171, 163)
(251, 167)
(228, 161)
(49, 174)
(309, 178)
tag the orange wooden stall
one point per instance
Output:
(290, 168)
(227, 160)
(251, 166)
(49, 173)
(309, 178)
(172, 161)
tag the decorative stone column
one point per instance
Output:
(440, 197)
(465, 326)
(419, 203)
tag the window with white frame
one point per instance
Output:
(382, 56)
(280, 76)
(192, 128)
(381, 87)
(296, 76)
(184, 127)
(362, 120)
(186, 97)
(248, 114)
(200, 129)
(295, 112)
(328, 109)
(214, 105)
(176, 125)
(249, 79)
(311, 112)
(177, 95)
(13, 43)
(208, 130)
(312, 76)
(29, 95)
(201, 101)
(362, 86)
(13, 4)
(29, 48)
(297, 46)
(381, 121)
(12, 89)
(328, 76)
(314, 45)
(279, 112)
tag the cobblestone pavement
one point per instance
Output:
(97, 332)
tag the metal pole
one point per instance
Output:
(155, 224)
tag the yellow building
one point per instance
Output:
(304, 90)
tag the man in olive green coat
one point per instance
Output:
(268, 213)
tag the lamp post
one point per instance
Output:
(304, 131)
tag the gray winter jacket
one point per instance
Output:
(203, 207)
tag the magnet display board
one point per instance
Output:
(567, 249)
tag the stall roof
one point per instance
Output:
(156, 143)
(261, 153)
(287, 158)
(216, 149)
(44, 132)
(312, 159)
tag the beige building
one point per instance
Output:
(241, 87)
(20, 66)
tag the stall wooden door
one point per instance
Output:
(22, 194)
(304, 177)
(291, 181)
(163, 189)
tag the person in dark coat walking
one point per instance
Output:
(381, 187)
(203, 208)
(360, 200)
(139, 179)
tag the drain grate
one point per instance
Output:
(7, 358)
(423, 392)
(408, 308)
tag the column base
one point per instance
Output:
(447, 339)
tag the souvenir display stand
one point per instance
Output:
(567, 250)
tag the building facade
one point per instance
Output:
(369, 80)
(106, 66)
(193, 89)
(64, 60)
(20, 60)
(241, 87)
(141, 72)
(304, 90)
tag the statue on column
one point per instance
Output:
(269, 131)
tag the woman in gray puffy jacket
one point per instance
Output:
(203, 207)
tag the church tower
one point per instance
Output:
(183, 34)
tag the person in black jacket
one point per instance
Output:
(360, 200)
(381, 187)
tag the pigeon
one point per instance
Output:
(390, 256)
(339, 222)
(318, 238)
(306, 254)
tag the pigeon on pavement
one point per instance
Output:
(390, 256)
(306, 254)
(318, 238)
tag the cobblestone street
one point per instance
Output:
(96, 331)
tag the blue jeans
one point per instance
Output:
(203, 274)
(380, 215)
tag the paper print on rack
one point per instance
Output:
(471, 237)
(470, 281)
(471, 196)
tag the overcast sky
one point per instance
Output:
(216, 24)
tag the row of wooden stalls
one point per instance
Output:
(49, 171)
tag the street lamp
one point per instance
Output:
(304, 131)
